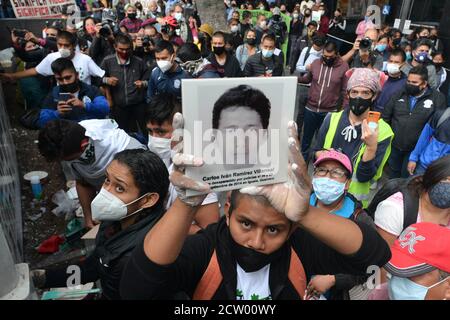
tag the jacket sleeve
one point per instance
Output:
(46, 115)
(317, 258)
(98, 107)
(367, 170)
(432, 77)
(422, 143)
(151, 86)
(300, 66)
(144, 279)
(389, 109)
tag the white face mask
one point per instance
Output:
(178, 16)
(65, 53)
(392, 68)
(234, 28)
(164, 65)
(107, 207)
(295, 15)
(160, 146)
(263, 24)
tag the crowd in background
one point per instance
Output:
(127, 61)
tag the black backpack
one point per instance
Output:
(410, 199)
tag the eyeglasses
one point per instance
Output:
(366, 94)
(334, 173)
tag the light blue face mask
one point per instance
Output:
(267, 53)
(381, 47)
(405, 289)
(328, 190)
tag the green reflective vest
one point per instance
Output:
(360, 190)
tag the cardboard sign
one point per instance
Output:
(39, 8)
(239, 128)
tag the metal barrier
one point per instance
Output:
(10, 200)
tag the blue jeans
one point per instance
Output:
(312, 123)
(398, 163)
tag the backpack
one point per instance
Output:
(443, 117)
(212, 277)
(410, 200)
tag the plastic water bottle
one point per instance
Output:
(36, 187)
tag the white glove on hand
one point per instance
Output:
(292, 197)
(181, 161)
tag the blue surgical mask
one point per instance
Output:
(267, 53)
(440, 195)
(405, 289)
(381, 47)
(328, 190)
(408, 56)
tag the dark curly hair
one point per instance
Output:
(149, 172)
(243, 95)
(60, 138)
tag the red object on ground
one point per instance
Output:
(51, 245)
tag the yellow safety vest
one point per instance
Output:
(360, 190)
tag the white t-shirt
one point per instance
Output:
(389, 215)
(85, 66)
(253, 285)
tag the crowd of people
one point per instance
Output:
(106, 98)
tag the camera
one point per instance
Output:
(147, 41)
(365, 44)
(109, 25)
(20, 33)
(165, 29)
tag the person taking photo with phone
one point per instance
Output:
(72, 99)
(367, 142)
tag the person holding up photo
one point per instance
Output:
(257, 251)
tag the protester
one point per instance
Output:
(226, 64)
(311, 53)
(166, 78)
(441, 73)
(396, 81)
(205, 33)
(66, 42)
(407, 113)
(87, 148)
(359, 55)
(128, 205)
(420, 265)
(433, 143)
(428, 199)
(82, 101)
(190, 60)
(131, 22)
(247, 49)
(337, 28)
(331, 180)
(328, 88)
(302, 43)
(338, 245)
(267, 63)
(350, 132)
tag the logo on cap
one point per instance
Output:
(409, 239)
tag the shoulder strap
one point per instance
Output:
(210, 281)
(443, 117)
(307, 54)
(296, 274)
(334, 122)
(410, 207)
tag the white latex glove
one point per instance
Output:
(181, 161)
(292, 197)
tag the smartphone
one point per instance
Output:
(373, 116)
(63, 96)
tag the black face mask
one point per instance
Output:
(307, 14)
(359, 105)
(251, 260)
(251, 41)
(218, 50)
(438, 65)
(413, 90)
(396, 42)
(328, 61)
(51, 38)
(433, 38)
(70, 87)
(132, 16)
(276, 18)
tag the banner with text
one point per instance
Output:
(39, 8)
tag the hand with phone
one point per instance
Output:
(372, 119)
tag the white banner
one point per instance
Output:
(39, 8)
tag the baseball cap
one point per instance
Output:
(421, 248)
(335, 156)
